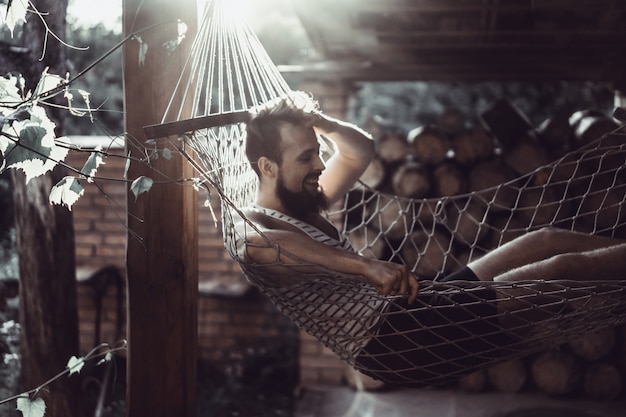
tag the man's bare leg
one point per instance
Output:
(605, 263)
(566, 256)
(543, 251)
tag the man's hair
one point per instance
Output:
(262, 129)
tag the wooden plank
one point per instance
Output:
(189, 125)
(162, 262)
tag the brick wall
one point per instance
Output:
(233, 318)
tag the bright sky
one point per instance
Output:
(109, 12)
(92, 12)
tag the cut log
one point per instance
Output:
(603, 382)
(356, 207)
(428, 145)
(393, 149)
(374, 174)
(577, 116)
(592, 127)
(427, 212)
(603, 203)
(555, 133)
(491, 178)
(594, 346)
(474, 382)
(425, 253)
(368, 242)
(448, 179)
(377, 127)
(509, 376)
(526, 156)
(541, 206)
(452, 122)
(556, 373)
(506, 122)
(411, 180)
(473, 146)
(391, 216)
(467, 222)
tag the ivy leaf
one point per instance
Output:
(31, 408)
(93, 162)
(18, 115)
(47, 82)
(29, 147)
(16, 13)
(143, 50)
(34, 150)
(107, 358)
(127, 166)
(66, 192)
(75, 364)
(141, 185)
(9, 92)
(167, 153)
(173, 44)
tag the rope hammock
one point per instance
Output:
(454, 328)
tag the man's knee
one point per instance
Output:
(549, 236)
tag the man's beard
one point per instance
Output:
(301, 204)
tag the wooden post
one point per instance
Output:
(162, 266)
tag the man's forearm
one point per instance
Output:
(293, 249)
(351, 141)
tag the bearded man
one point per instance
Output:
(291, 237)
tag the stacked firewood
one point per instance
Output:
(453, 158)
(593, 366)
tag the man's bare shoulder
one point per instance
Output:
(263, 221)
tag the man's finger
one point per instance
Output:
(414, 284)
(404, 287)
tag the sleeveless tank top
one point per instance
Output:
(341, 314)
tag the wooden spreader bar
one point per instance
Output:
(189, 125)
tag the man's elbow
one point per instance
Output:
(259, 250)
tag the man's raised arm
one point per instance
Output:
(354, 150)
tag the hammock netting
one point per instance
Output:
(454, 328)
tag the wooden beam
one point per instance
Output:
(162, 245)
(189, 125)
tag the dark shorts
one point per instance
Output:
(464, 274)
(442, 336)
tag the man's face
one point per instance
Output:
(297, 185)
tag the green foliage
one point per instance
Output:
(66, 192)
(16, 14)
(29, 147)
(141, 185)
(104, 81)
(31, 407)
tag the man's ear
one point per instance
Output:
(267, 167)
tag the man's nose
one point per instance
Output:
(319, 163)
